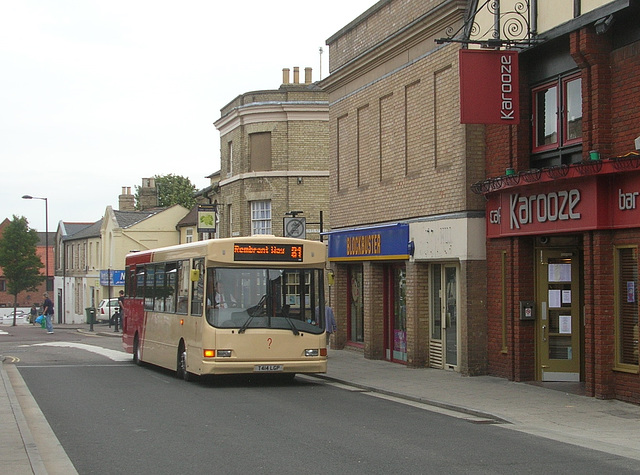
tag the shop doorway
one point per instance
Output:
(443, 342)
(355, 305)
(558, 328)
(395, 313)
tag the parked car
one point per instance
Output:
(106, 310)
(21, 317)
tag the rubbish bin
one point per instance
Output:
(91, 314)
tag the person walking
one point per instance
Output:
(329, 322)
(47, 311)
(33, 314)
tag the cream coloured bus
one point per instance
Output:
(228, 306)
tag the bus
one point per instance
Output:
(228, 306)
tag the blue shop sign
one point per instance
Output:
(387, 242)
(117, 277)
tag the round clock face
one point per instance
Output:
(295, 227)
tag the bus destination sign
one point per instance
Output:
(267, 252)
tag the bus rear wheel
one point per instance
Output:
(137, 352)
(181, 368)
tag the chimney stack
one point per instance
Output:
(148, 194)
(296, 75)
(307, 75)
(126, 201)
(285, 76)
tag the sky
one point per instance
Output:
(96, 95)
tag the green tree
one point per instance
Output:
(172, 190)
(18, 258)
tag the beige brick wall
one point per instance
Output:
(298, 179)
(400, 151)
(384, 19)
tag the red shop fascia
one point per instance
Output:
(593, 195)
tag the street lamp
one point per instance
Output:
(46, 235)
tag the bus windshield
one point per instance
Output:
(276, 298)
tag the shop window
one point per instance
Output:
(627, 308)
(557, 114)
(260, 217)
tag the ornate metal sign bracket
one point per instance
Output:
(512, 28)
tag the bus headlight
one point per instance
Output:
(311, 352)
(224, 353)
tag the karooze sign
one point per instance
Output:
(489, 92)
(543, 209)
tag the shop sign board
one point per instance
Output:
(608, 202)
(115, 276)
(385, 242)
(489, 89)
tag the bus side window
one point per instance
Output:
(139, 283)
(183, 287)
(197, 288)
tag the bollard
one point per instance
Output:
(91, 316)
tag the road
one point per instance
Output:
(114, 417)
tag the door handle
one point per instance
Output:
(544, 328)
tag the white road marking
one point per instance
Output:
(114, 355)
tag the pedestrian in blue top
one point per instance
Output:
(47, 311)
(329, 322)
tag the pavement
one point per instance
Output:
(555, 410)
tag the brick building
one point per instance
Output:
(29, 298)
(273, 153)
(563, 223)
(407, 245)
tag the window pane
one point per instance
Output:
(628, 306)
(171, 277)
(160, 292)
(546, 116)
(149, 287)
(197, 288)
(183, 287)
(261, 217)
(573, 99)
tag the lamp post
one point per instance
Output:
(46, 235)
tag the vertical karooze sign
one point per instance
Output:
(489, 92)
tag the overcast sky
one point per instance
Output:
(96, 95)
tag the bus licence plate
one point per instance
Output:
(267, 368)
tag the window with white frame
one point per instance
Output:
(557, 114)
(189, 235)
(261, 217)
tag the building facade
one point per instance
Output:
(407, 245)
(274, 151)
(563, 223)
(90, 259)
(44, 250)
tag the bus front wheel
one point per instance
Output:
(181, 369)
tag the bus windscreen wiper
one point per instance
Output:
(253, 312)
(293, 327)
